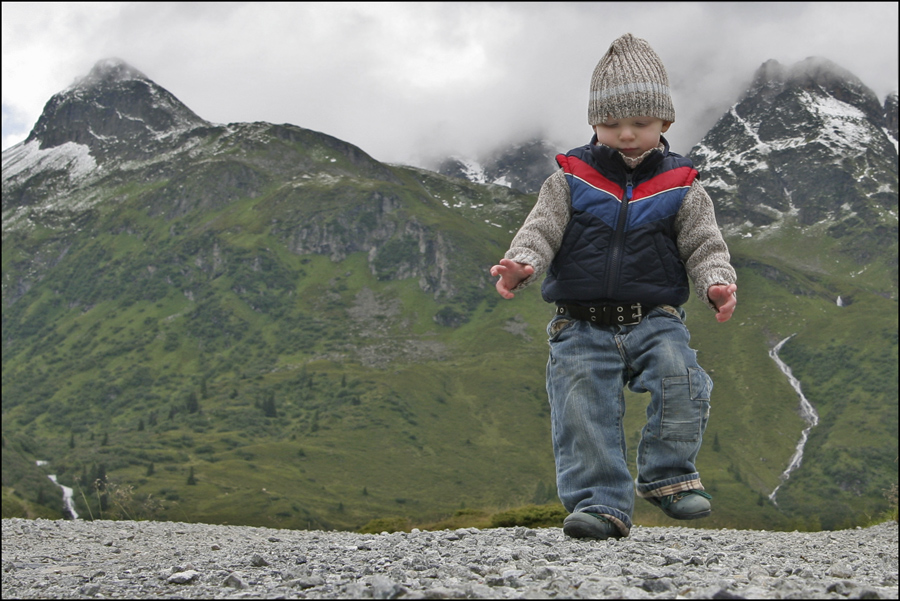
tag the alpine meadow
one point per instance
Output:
(259, 324)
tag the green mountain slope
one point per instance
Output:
(264, 326)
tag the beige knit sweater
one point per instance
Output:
(700, 243)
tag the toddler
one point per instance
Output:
(618, 230)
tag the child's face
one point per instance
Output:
(632, 136)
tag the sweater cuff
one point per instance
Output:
(720, 278)
(527, 258)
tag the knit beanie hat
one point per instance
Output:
(630, 81)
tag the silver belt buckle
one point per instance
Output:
(637, 315)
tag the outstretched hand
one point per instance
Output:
(725, 299)
(511, 275)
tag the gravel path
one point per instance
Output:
(168, 560)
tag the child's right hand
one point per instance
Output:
(511, 275)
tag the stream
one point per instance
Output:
(807, 412)
(68, 503)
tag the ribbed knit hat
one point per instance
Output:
(630, 81)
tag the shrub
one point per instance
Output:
(386, 525)
(530, 515)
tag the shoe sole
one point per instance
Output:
(690, 516)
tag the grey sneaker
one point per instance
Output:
(687, 505)
(582, 524)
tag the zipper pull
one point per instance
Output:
(628, 188)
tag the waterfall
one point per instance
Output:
(807, 412)
(67, 497)
(68, 503)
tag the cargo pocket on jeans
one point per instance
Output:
(685, 406)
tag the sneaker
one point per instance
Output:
(582, 524)
(687, 505)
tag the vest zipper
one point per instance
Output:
(618, 242)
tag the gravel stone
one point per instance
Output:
(45, 559)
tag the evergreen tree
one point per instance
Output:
(150, 469)
(72, 440)
(191, 480)
(268, 406)
(192, 405)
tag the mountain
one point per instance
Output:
(260, 324)
(812, 145)
(176, 290)
(803, 174)
(523, 166)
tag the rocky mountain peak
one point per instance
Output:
(115, 110)
(815, 75)
(109, 71)
(806, 144)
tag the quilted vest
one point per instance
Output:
(619, 246)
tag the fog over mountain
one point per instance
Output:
(411, 82)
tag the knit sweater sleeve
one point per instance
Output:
(540, 237)
(701, 245)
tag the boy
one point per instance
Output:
(618, 230)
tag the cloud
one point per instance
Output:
(409, 81)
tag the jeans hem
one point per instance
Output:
(669, 486)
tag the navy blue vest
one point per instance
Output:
(619, 246)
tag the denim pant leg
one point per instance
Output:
(662, 363)
(585, 384)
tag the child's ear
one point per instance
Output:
(665, 126)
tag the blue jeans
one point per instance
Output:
(588, 369)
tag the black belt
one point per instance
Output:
(607, 315)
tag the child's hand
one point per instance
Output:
(725, 299)
(511, 275)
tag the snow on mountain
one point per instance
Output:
(808, 143)
(28, 157)
(523, 166)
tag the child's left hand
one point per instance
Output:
(725, 299)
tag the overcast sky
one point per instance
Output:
(409, 81)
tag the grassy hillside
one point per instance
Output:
(331, 352)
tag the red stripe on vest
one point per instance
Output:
(676, 178)
(583, 171)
